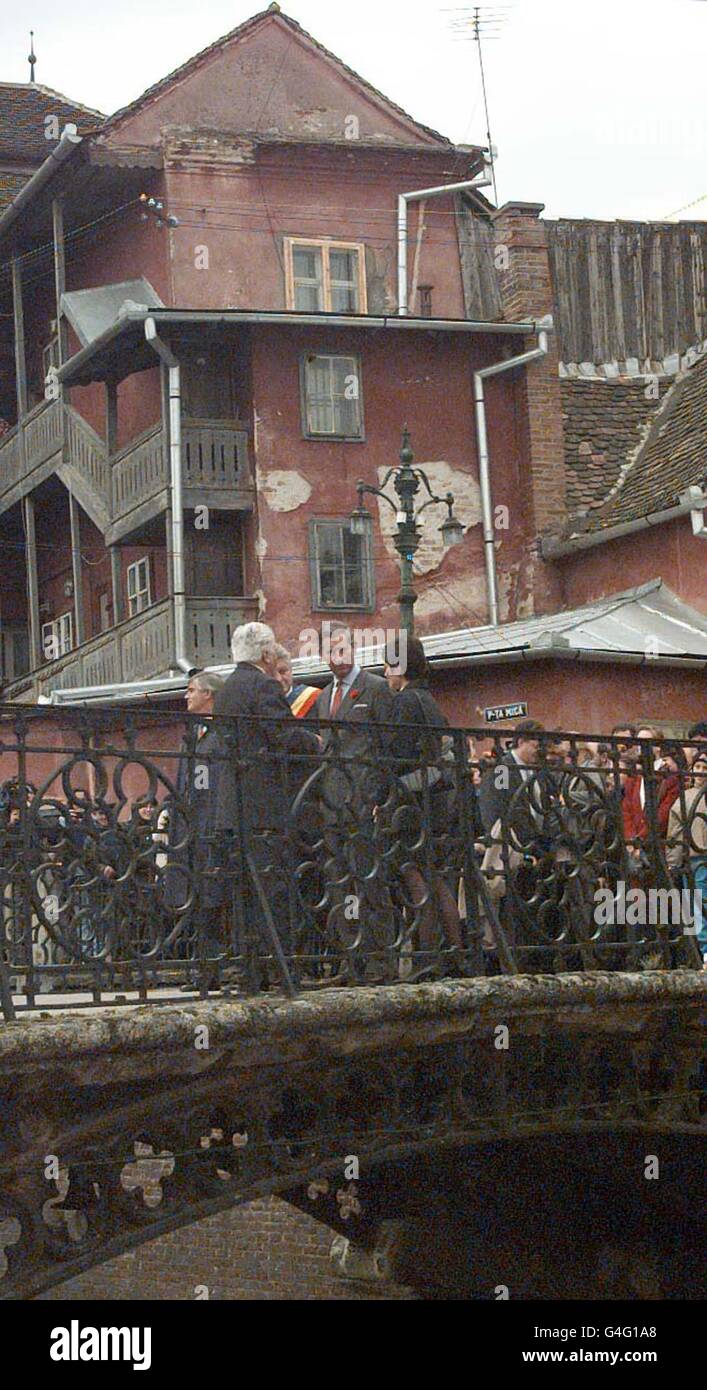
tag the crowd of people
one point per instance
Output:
(347, 833)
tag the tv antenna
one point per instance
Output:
(479, 24)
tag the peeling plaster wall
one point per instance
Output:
(424, 381)
(283, 490)
(467, 508)
(238, 204)
(448, 605)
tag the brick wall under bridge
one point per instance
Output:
(266, 1249)
(480, 1164)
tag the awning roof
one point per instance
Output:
(649, 620)
(648, 624)
(121, 349)
(92, 312)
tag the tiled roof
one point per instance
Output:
(273, 13)
(672, 457)
(603, 422)
(23, 108)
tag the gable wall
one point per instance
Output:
(274, 81)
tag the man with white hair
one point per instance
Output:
(255, 792)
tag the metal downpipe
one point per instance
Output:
(439, 191)
(176, 493)
(489, 536)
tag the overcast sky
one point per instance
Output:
(597, 109)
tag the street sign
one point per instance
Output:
(495, 713)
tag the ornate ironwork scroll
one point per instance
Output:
(136, 859)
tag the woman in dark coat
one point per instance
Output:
(415, 750)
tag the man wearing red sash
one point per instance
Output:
(300, 698)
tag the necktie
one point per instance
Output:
(335, 700)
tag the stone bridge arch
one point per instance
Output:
(475, 1113)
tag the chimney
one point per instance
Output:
(527, 293)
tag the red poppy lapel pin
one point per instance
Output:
(354, 694)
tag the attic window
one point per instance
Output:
(325, 276)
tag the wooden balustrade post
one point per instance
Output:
(35, 631)
(75, 528)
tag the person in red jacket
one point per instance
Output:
(667, 766)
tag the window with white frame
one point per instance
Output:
(325, 276)
(58, 636)
(139, 593)
(341, 566)
(331, 396)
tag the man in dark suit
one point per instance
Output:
(510, 791)
(192, 856)
(358, 705)
(514, 798)
(357, 702)
(270, 752)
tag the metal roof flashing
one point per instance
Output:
(86, 364)
(647, 625)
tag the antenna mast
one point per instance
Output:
(484, 22)
(477, 39)
(32, 55)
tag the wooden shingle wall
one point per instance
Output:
(630, 294)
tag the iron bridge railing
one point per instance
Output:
(141, 854)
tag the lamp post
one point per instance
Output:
(407, 482)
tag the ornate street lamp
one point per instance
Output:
(406, 482)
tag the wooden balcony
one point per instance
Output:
(215, 473)
(140, 648)
(124, 494)
(29, 455)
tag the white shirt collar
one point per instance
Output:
(349, 680)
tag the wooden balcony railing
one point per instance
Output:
(10, 461)
(140, 648)
(136, 649)
(210, 624)
(43, 432)
(215, 456)
(215, 461)
(139, 472)
(86, 451)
